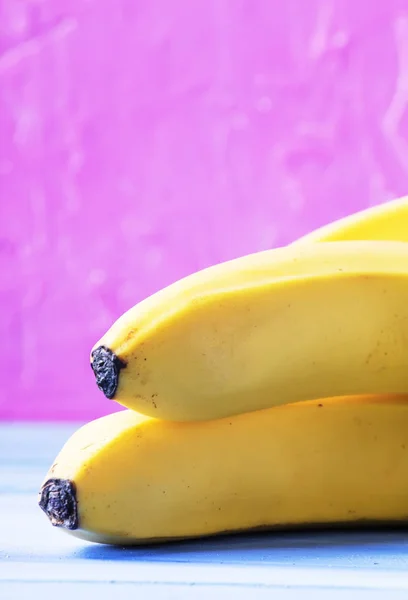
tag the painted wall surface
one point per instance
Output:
(141, 140)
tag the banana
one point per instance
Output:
(280, 326)
(128, 479)
(387, 221)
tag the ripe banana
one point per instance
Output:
(126, 479)
(280, 326)
(388, 221)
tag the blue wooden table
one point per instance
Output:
(41, 561)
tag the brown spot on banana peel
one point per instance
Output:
(59, 502)
(106, 366)
(130, 335)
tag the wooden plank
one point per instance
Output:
(198, 574)
(124, 591)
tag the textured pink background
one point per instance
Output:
(141, 140)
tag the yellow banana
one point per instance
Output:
(131, 479)
(388, 221)
(281, 326)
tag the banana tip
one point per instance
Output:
(58, 501)
(106, 367)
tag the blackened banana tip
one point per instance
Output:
(58, 501)
(106, 367)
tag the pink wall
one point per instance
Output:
(141, 140)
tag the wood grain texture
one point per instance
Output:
(36, 558)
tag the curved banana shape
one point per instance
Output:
(388, 221)
(128, 479)
(281, 326)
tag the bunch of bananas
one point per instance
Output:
(267, 391)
